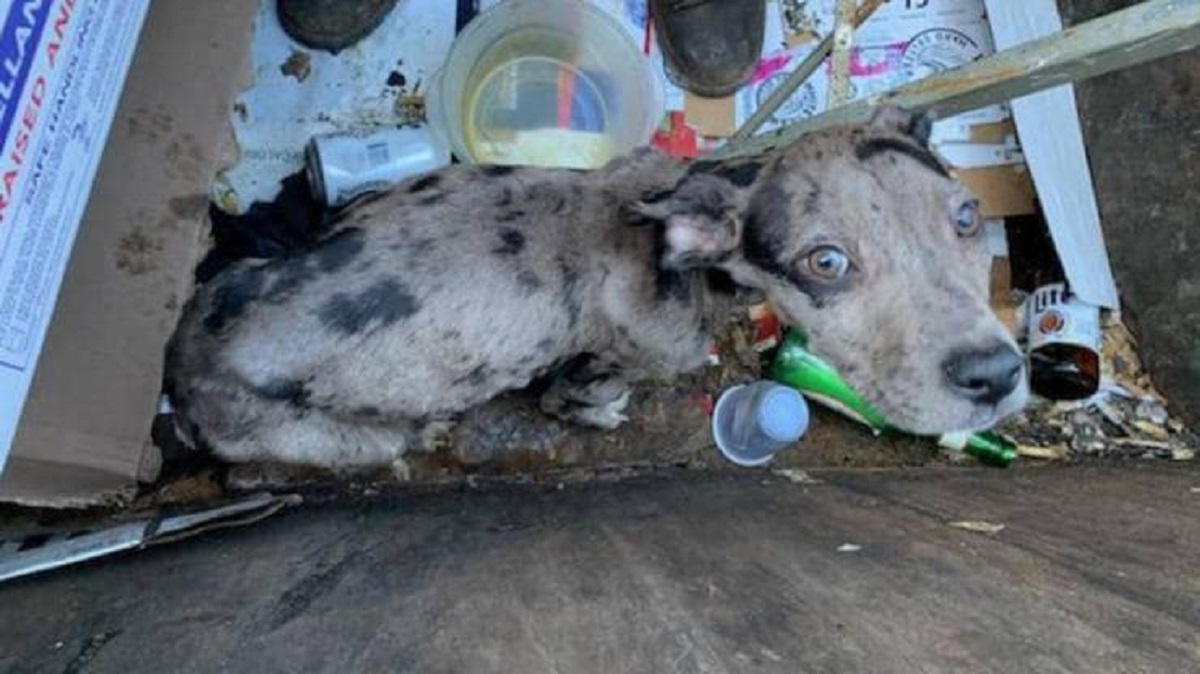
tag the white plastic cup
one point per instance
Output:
(751, 424)
(344, 166)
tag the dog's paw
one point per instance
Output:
(401, 471)
(608, 416)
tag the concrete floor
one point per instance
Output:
(1095, 571)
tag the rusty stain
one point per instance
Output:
(298, 65)
(410, 109)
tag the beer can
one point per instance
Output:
(344, 166)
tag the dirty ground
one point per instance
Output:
(1089, 569)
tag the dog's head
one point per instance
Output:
(860, 235)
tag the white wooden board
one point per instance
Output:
(1052, 139)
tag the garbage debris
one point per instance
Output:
(751, 424)
(291, 220)
(342, 167)
(796, 476)
(979, 526)
(799, 368)
(1126, 418)
(546, 84)
(1064, 344)
(375, 84)
(36, 554)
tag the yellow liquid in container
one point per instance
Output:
(546, 83)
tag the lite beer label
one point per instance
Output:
(1056, 317)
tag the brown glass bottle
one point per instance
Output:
(1064, 342)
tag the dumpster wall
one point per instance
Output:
(1142, 127)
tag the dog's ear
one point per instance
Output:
(700, 219)
(917, 125)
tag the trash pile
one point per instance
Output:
(1125, 418)
(503, 95)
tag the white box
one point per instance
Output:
(62, 67)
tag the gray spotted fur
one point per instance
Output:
(473, 281)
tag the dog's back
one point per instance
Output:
(424, 302)
(476, 280)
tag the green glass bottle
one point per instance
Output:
(799, 368)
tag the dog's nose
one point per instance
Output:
(985, 376)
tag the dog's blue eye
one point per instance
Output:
(968, 220)
(828, 263)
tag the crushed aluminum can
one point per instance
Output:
(342, 167)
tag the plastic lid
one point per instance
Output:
(783, 414)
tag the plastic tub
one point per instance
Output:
(544, 83)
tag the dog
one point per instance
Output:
(475, 280)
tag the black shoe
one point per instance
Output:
(710, 46)
(332, 25)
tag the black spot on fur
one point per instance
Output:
(431, 200)
(571, 292)
(876, 146)
(530, 282)
(813, 198)
(656, 196)
(383, 303)
(876, 208)
(921, 128)
(369, 411)
(476, 377)
(512, 242)
(396, 79)
(339, 250)
(496, 171)
(741, 175)
(234, 293)
(426, 183)
(451, 335)
(765, 233)
(764, 243)
(292, 391)
(290, 274)
(511, 215)
(668, 283)
(505, 198)
(544, 344)
(419, 248)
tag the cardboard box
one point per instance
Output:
(84, 431)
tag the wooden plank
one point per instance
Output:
(1141, 33)
(1052, 139)
(800, 75)
(843, 43)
